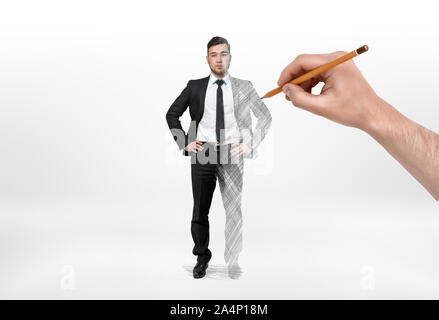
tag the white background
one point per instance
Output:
(95, 197)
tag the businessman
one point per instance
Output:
(219, 137)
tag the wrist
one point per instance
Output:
(380, 115)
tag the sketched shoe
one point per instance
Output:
(234, 270)
(200, 269)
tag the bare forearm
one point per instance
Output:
(416, 148)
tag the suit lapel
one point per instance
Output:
(203, 90)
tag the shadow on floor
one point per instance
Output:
(217, 272)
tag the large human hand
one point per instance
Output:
(346, 97)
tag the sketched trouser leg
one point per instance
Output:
(230, 178)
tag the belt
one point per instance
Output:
(216, 145)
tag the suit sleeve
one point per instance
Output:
(173, 115)
(263, 116)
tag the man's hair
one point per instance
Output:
(217, 40)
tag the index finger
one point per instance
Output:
(304, 63)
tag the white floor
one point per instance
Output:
(89, 250)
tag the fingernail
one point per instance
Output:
(286, 90)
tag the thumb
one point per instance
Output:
(303, 99)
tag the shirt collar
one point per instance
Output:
(212, 79)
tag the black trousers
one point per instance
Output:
(204, 176)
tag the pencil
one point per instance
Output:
(319, 70)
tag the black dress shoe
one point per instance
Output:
(200, 269)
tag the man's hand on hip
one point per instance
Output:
(239, 149)
(194, 146)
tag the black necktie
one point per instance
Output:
(220, 134)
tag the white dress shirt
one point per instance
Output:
(207, 125)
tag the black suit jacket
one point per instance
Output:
(245, 99)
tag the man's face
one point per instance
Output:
(218, 59)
